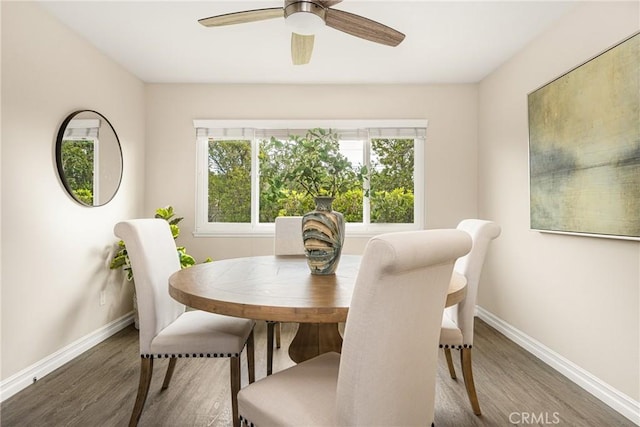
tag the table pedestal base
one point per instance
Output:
(313, 339)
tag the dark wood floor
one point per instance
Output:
(98, 389)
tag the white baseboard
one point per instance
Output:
(617, 400)
(31, 374)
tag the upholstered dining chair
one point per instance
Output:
(386, 372)
(458, 321)
(166, 329)
(288, 241)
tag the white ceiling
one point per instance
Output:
(446, 41)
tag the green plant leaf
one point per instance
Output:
(121, 258)
(175, 230)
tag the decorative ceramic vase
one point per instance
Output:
(323, 236)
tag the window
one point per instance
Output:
(79, 157)
(242, 181)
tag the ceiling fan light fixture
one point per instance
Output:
(304, 23)
(304, 17)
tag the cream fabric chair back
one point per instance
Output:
(288, 240)
(152, 264)
(482, 233)
(390, 350)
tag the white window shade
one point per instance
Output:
(82, 128)
(399, 132)
(225, 133)
(347, 129)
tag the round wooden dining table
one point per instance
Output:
(282, 289)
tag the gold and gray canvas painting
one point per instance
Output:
(584, 147)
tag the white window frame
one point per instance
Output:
(87, 130)
(244, 128)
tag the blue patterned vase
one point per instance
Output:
(323, 237)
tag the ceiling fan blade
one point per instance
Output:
(328, 3)
(301, 48)
(242, 17)
(362, 27)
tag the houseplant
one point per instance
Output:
(313, 164)
(121, 258)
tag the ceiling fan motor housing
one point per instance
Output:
(304, 17)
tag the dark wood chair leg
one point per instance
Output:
(235, 388)
(467, 373)
(270, 327)
(251, 361)
(146, 370)
(278, 335)
(169, 374)
(452, 369)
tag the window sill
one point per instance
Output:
(355, 231)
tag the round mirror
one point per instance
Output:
(89, 158)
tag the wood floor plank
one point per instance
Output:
(99, 388)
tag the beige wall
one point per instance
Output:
(54, 251)
(576, 295)
(451, 166)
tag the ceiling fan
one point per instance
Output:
(306, 17)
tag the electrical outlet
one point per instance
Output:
(103, 297)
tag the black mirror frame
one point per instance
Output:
(61, 175)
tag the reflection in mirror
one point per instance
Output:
(89, 158)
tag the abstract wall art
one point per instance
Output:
(584, 147)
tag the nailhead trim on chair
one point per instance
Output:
(456, 347)
(246, 422)
(160, 356)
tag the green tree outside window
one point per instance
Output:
(294, 170)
